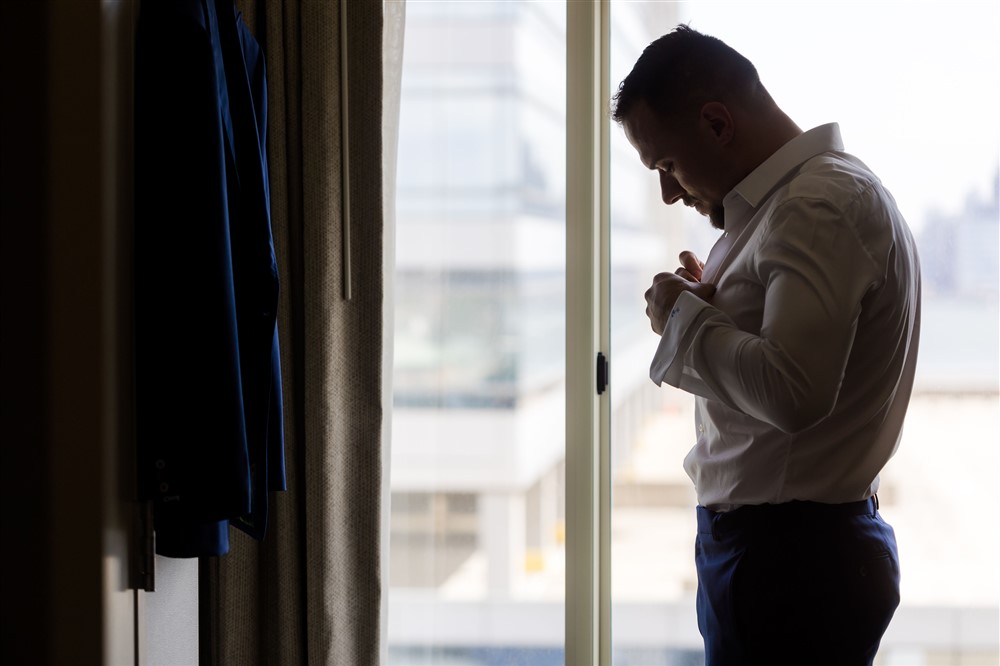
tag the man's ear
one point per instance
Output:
(716, 117)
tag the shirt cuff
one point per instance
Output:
(668, 361)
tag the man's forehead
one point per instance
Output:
(648, 133)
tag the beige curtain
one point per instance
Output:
(311, 592)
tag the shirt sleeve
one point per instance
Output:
(815, 272)
(685, 321)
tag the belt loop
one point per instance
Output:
(715, 522)
(875, 503)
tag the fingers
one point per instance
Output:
(663, 293)
(691, 264)
(704, 291)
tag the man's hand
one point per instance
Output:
(662, 295)
(691, 267)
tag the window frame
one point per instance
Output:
(588, 414)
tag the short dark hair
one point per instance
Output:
(681, 71)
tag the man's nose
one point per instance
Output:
(670, 189)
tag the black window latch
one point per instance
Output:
(602, 373)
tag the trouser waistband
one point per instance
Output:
(718, 522)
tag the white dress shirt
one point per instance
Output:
(803, 362)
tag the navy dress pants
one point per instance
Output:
(797, 583)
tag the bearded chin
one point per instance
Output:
(717, 217)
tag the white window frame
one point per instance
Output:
(588, 415)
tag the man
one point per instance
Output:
(798, 336)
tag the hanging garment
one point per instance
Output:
(208, 381)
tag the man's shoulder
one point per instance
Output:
(836, 177)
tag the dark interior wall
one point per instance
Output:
(74, 350)
(26, 595)
(64, 217)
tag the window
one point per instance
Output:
(478, 546)
(898, 80)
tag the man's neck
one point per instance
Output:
(763, 137)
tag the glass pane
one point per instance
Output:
(652, 575)
(905, 84)
(476, 550)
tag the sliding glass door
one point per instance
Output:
(652, 500)
(478, 447)
(516, 528)
(906, 84)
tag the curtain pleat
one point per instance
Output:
(310, 593)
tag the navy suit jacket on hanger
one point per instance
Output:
(208, 381)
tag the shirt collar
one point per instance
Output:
(771, 171)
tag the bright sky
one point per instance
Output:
(914, 85)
